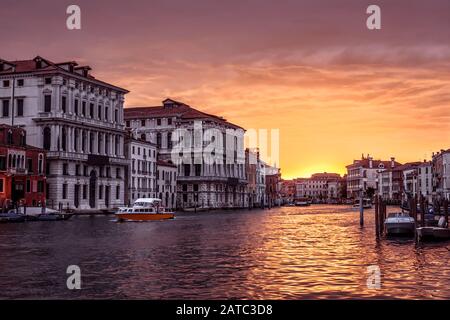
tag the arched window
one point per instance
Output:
(23, 138)
(169, 140)
(40, 163)
(10, 137)
(158, 140)
(75, 139)
(63, 139)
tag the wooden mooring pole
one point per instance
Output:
(376, 218)
(446, 211)
(361, 211)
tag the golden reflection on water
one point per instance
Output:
(315, 252)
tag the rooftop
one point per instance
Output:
(172, 108)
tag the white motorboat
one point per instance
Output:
(145, 209)
(399, 224)
(367, 204)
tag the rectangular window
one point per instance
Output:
(127, 123)
(20, 107)
(75, 106)
(100, 191)
(40, 186)
(3, 163)
(158, 122)
(63, 104)
(64, 191)
(65, 169)
(28, 185)
(169, 121)
(85, 192)
(116, 115)
(5, 83)
(99, 113)
(77, 170)
(91, 110)
(48, 80)
(2, 182)
(142, 123)
(106, 113)
(198, 170)
(118, 192)
(5, 108)
(20, 82)
(83, 108)
(30, 165)
(118, 173)
(47, 103)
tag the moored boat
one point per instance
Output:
(367, 204)
(43, 214)
(397, 224)
(144, 209)
(439, 233)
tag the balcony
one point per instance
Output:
(17, 171)
(67, 155)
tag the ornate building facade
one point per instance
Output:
(201, 184)
(22, 169)
(142, 170)
(78, 120)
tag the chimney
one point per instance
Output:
(38, 63)
(370, 161)
(392, 162)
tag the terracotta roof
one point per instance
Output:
(29, 66)
(375, 164)
(182, 111)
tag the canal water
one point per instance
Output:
(283, 253)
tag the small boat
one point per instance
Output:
(439, 233)
(367, 204)
(12, 216)
(302, 203)
(397, 224)
(144, 209)
(43, 214)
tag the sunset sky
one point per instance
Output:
(309, 68)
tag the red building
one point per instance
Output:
(22, 169)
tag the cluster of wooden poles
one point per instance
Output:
(380, 215)
(419, 216)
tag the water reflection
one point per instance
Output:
(283, 253)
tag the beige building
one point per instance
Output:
(142, 171)
(218, 184)
(166, 184)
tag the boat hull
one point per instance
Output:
(12, 218)
(398, 229)
(433, 234)
(144, 216)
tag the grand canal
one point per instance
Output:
(283, 253)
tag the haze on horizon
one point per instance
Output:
(309, 68)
